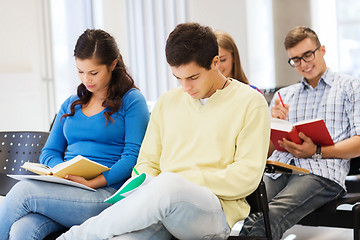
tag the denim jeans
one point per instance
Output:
(168, 205)
(291, 197)
(34, 209)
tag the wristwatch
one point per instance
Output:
(317, 155)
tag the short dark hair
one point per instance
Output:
(190, 42)
(298, 34)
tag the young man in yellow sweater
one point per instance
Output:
(206, 146)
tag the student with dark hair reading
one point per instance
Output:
(105, 122)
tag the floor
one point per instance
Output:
(299, 232)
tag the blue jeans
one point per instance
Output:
(168, 205)
(34, 209)
(291, 197)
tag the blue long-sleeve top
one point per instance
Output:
(115, 145)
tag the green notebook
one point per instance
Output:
(131, 185)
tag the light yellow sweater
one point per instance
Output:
(221, 145)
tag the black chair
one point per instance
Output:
(258, 204)
(330, 215)
(15, 149)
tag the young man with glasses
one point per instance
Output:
(321, 94)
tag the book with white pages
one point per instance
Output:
(52, 179)
(79, 166)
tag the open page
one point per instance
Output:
(79, 166)
(130, 186)
(280, 124)
(38, 168)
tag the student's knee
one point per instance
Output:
(169, 177)
(17, 229)
(169, 182)
(33, 226)
(23, 229)
(20, 190)
(173, 186)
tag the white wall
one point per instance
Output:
(287, 14)
(26, 94)
(249, 22)
(110, 16)
(228, 16)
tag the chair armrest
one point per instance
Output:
(279, 167)
(352, 183)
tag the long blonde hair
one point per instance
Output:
(226, 42)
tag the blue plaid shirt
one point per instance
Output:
(336, 99)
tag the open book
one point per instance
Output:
(130, 186)
(52, 179)
(79, 166)
(314, 128)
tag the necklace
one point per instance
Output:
(224, 84)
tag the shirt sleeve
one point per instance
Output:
(150, 151)
(353, 106)
(136, 120)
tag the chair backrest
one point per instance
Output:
(354, 166)
(15, 149)
(353, 179)
(259, 203)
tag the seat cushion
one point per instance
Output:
(349, 198)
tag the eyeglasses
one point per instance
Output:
(306, 57)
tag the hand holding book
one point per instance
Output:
(313, 128)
